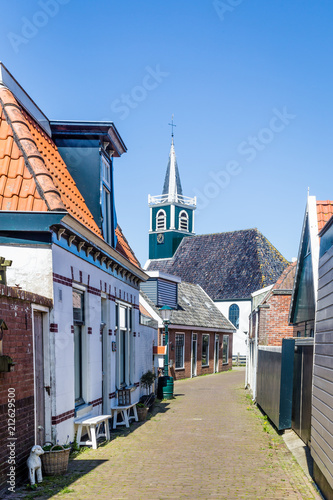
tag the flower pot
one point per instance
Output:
(142, 414)
(55, 462)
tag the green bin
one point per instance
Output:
(168, 388)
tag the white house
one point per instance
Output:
(58, 227)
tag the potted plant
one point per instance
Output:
(146, 381)
(142, 410)
(55, 458)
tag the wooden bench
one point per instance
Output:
(93, 426)
(125, 411)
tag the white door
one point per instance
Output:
(194, 355)
(216, 353)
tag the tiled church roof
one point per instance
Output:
(228, 265)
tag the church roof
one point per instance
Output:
(228, 266)
(172, 185)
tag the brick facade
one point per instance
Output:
(272, 317)
(16, 311)
(186, 372)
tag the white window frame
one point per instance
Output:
(161, 220)
(125, 331)
(183, 221)
(225, 337)
(84, 349)
(202, 343)
(183, 353)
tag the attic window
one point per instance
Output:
(183, 221)
(161, 220)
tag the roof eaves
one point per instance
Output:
(26, 144)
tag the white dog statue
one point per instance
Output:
(35, 464)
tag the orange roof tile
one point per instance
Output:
(33, 175)
(286, 280)
(124, 248)
(324, 212)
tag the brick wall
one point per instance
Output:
(273, 320)
(15, 310)
(201, 370)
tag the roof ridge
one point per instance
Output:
(33, 159)
(227, 232)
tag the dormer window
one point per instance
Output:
(106, 202)
(183, 221)
(161, 220)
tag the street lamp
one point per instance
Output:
(168, 381)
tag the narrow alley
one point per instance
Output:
(208, 443)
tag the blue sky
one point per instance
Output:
(249, 83)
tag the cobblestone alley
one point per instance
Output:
(208, 443)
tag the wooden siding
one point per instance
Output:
(322, 397)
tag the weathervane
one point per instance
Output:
(172, 125)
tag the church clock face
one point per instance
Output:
(160, 238)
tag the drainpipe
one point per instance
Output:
(255, 356)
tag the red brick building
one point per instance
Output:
(272, 312)
(17, 387)
(200, 337)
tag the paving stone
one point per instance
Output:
(208, 443)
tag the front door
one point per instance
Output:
(39, 378)
(104, 345)
(216, 357)
(194, 355)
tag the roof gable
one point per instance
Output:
(304, 295)
(228, 265)
(33, 175)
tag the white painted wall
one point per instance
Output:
(239, 337)
(31, 268)
(64, 339)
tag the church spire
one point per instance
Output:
(172, 185)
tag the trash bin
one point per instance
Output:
(165, 387)
(168, 388)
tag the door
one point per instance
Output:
(39, 378)
(216, 353)
(194, 355)
(104, 356)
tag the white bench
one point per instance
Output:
(93, 426)
(126, 414)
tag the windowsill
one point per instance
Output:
(82, 409)
(177, 369)
(205, 366)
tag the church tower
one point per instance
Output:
(171, 213)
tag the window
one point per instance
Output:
(107, 202)
(234, 315)
(161, 220)
(179, 361)
(125, 345)
(183, 221)
(225, 350)
(205, 350)
(78, 319)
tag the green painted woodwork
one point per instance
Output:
(166, 249)
(172, 238)
(35, 221)
(82, 158)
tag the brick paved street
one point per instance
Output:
(209, 443)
